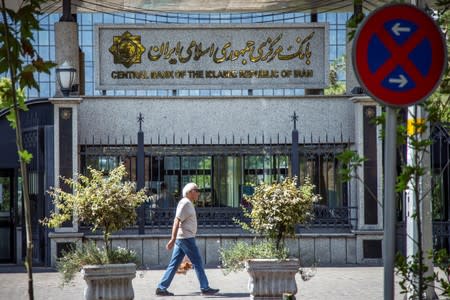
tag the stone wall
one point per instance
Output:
(319, 117)
(337, 249)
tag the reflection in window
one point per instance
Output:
(224, 179)
(104, 163)
(87, 20)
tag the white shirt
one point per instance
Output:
(188, 219)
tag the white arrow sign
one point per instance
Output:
(402, 81)
(396, 29)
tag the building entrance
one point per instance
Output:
(6, 216)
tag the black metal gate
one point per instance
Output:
(440, 170)
(38, 140)
(225, 169)
(440, 193)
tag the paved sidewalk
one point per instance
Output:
(339, 283)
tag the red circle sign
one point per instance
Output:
(399, 55)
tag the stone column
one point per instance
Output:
(369, 190)
(67, 49)
(66, 164)
(66, 144)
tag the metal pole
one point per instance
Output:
(294, 151)
(67, 14)
(390, 162)
(140, 166)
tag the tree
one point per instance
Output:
(20, 61)
(105, 202)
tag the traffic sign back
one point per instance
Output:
(399, 55)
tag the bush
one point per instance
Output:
(233, 258)
(275, 209)
(105, 202)
(89, 254)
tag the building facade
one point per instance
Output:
(223, 135)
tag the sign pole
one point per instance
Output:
(390, 163)
(399, 57)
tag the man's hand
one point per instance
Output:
(170, 244)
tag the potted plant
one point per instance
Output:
(107, 203)
(274, 212)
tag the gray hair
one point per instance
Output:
(189, 187)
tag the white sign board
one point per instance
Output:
(243, 56)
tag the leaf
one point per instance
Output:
(25, 156)
(43, 66)
(11, 117)
(27, 47)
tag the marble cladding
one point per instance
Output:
(312, 249)
(303, 47)
(319, 117)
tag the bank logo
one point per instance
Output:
(127, 49)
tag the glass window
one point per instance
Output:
(224, 178)
(45, 39)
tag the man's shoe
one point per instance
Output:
(210, 291)
(160, 292)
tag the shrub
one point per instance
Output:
(233, 258)
(275, 210)
(105, 202)
(89, 254)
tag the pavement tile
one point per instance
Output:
(337, 283)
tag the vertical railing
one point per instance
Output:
(440, 170)
(213, 161)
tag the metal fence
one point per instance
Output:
(440, 170)
(440, 192)
(225, 169)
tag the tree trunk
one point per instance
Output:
(23, 165)
(26, 200)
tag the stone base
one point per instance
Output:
(109, 282)
(271, 278)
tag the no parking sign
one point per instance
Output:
(399, 55)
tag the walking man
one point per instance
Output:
(183, 243)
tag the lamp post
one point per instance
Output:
(65, 75)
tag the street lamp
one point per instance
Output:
(65, 75)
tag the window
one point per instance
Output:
(225, 175)
(86, 20)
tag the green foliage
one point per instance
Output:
(336, 87)
(105, 202)
(11, 99)
(234, 257)
(409, 267)
(441, 259)
(350, 161)
(438, 104)
(354, 21)
(16, 48)
(277, 208)
(25, 156)
(16, 37)
(89, 254)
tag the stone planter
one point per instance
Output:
(271, 278)
(109, 282)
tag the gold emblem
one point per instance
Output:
(127, 49)
(66, 113)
